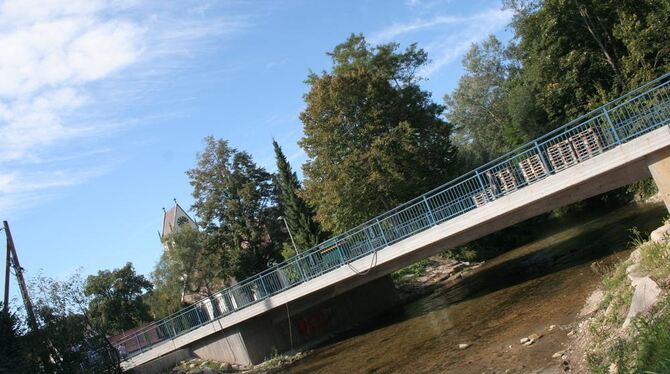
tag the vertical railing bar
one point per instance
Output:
(614, 132)
(383, 234)
(544, 161)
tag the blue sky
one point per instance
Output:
(104, 104)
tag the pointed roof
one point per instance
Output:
(175, 217)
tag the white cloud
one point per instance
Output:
(52, 55)
(450, 36)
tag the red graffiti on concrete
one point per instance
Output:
(313, 323)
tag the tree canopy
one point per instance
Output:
(299, 216)
(478, 107)
(374, 138)
(578, 54)
(234, 199)
(117, 302)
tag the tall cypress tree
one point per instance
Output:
(299, 216)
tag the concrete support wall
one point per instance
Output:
(227, 345)
(659, 166)
(309, 319)
(163, 363)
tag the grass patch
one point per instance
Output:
(654, 341)
(655, 260)
(276, 361)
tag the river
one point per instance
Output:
(519, 293)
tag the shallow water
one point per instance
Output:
(516, 294)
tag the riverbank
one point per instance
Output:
(625, 326)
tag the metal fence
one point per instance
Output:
(636, 113)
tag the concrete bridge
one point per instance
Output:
(344, 281)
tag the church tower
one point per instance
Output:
(173, 220)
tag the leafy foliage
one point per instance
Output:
(235, 201)
(581, 53)
(67, 340)
(13, 356)
(373, 137)
(299, 216)
(116, 299)
(166, 297)
(192, 259)
(478, 107)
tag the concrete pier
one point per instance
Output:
(659, 166)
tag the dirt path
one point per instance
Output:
(520, 293)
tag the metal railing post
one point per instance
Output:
(544, 160)
(265, 289)
(369, 240)
(381, 231)
(174, 331)
(137, 339)
(339, 252)
(614, 132)
(197, 314)
(481, 182)
(303, 278)
(430, 212)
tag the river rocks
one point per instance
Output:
(464, 345)
(530, 340)
(225, 366)
(661, 234)
(558, 354)
(592, 303)
(645, 295)
(442, 272)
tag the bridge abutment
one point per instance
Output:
(659, 166)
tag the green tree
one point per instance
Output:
(299, 216)
(578, 54)
(13, 357)
(117, 302)
(192, 259)
(235, 202)
(373, 137)
(67, 340)
(166, 297)
(478, 107)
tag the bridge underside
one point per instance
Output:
(257, 330)
(310, 320)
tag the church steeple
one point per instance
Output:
(173, 219)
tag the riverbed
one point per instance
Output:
(519, 293)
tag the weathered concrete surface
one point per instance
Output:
(163, 364)
(645, 295)
(661, 235)
(320, 315)
(615, 168)
(659, 166)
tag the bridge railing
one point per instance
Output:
(636, 113)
